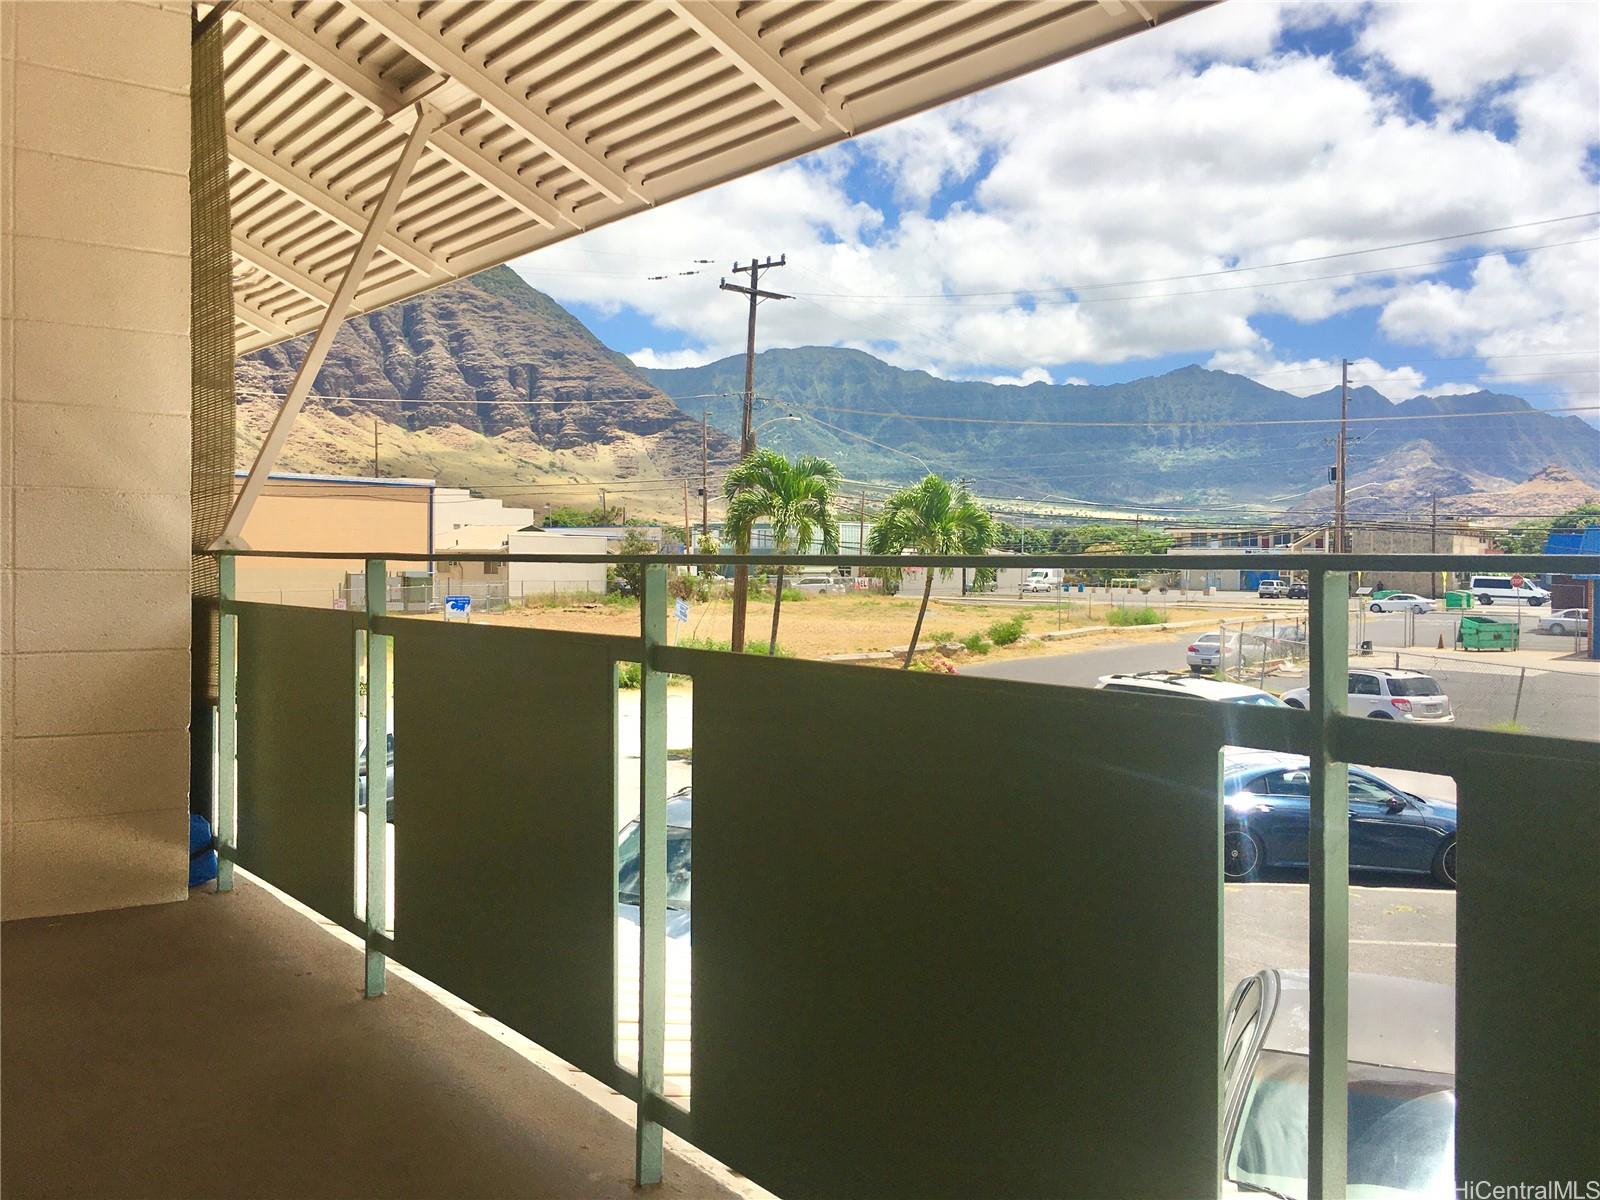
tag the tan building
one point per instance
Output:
(331, 512)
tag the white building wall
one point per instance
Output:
(94, 471)
(455, 509)
(526, 579)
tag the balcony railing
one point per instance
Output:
(930, 977)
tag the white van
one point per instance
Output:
(1498, 589)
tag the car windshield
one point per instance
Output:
(1401, 1131)
(1421, 686)
(678, 841)
(1265, 699)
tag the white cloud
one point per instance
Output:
(667, 360)
(1308, 376)
(1198, 147)
(1031, 375)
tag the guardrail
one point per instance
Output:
(879, 1011)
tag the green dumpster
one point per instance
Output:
(1485, 633)
(1458, 599)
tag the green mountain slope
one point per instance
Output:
(1236, 440)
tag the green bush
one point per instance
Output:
(975, 644)
(1004, 633)
(619, 600)
(628, 674)
(756, 646)
(1133, 616)
(943, 637)
(790, 593)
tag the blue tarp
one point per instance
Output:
(1575, 541)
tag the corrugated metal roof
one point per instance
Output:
(565, 116)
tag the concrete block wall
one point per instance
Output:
(94, 470)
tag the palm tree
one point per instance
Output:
(795, 498)
(931, 517)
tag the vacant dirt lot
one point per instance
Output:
(821, 626)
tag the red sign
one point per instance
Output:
(1516, 581)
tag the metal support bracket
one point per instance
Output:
(1327, 1116)
(652, 873)
(427, 120)
(377, 848)
(227, 830)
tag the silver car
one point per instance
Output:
(1402, 1103)
(820, 584)
(1567, 621)
(1205, 652)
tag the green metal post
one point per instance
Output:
(1327, 1116)
(227, 724)
(652, 873)
(377, 587)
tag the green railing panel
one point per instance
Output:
(505, 842)
(297, 680)
(978, 954)
(1528, 969)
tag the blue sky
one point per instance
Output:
(1035, 231)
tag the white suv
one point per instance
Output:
(1174, 683)
(819, 584)
(1493, 589)
(1388, 694)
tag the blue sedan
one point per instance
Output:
(1268, 820)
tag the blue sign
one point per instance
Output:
(682, 609)
(458, 604)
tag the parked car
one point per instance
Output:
(1498, 589)
(1388, 694)
(1401, 1087)
(361, 781)
(1267, 799)
(1402, 602)
(821, 583)
(1298, 591)
(1205, 652)
(1272, 589)
(680, 822)
(1173, 683)
(1568, 620)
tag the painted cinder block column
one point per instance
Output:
(95, 327)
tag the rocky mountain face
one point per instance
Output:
(1548, 492)
(498, 374)
(1188, 437)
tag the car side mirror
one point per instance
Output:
(1397, 804)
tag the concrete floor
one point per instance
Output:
(221, 1047)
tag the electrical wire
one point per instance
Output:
(1295, 262)
(914, 418)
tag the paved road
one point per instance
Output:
(1407, 930)
(1482, 691)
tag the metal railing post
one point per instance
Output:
(227, 830)
(652, 873)
(1328, 1111)
(377, 777)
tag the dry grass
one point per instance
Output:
(821, 626)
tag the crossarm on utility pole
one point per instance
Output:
(427, 121)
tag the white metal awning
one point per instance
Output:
(557, 117)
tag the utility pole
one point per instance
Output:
(747, 431)
(1339, 470)
(1433, 546)
(604, 518)
(375, 447)
(688, 531)
(705, 486)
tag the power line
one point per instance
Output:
(913, 417)
(1238, 287)
(1295, 262)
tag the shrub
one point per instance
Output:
(942, 638)
(975, 644)
(790, 593)
(619, 600)
(1133, 616)
(1004, 633)
(756, 646)
(628, 674)
(936, 664)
